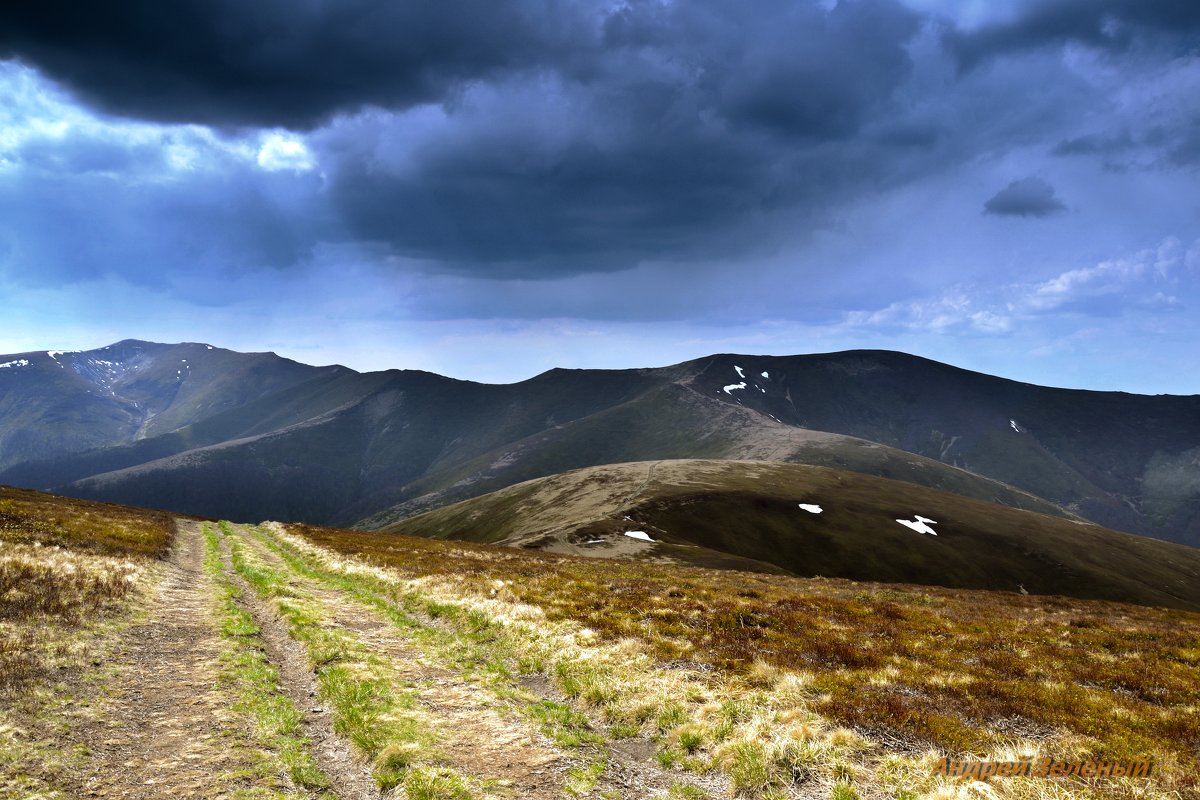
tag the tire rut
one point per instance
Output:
(350, 776)
(478, 737)
(475, 735)
(164, 730)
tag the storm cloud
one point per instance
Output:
(1113, 25)
(1028, 197)
(279, 63)
(809, 162)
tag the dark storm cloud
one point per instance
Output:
(694, 125)
(506, 209)
(789, 67)
(1107, 24)
(277, 62)
(547, 138)
(693, 121)
(1028, 197)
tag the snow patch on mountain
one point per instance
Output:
(20, 362)
(919, 524)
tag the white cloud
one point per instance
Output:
(43, 128)
(280, 151)
(1151, 279)
(1137, 278)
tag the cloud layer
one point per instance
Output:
(780, 161)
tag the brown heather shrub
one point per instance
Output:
(28, 517)
(53, 583)
(65, 563)
(19, 661)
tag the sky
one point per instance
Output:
(491, 188)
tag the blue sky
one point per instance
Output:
(491, 189)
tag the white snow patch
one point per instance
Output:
(209, 346)
(645, 537)
(765, 375)
(739, 372)
(919, 524)
(20, 362)
(728, 389)
(594, 541)
(811, 508)
(1013, 423)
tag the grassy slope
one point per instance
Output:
(750, 510)
(971, 671)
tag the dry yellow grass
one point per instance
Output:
(828, 680)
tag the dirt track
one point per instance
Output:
(167, 726)
(163, 731)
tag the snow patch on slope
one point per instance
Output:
(919, 524)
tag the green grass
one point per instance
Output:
(370, 708)
(436, 783)
(843, 791)
(255, 682)
(583, 779)
(474, 644)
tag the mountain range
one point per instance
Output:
(204, 430)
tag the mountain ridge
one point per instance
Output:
(333, 445)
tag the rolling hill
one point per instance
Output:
(814, 521)
(209, 431)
